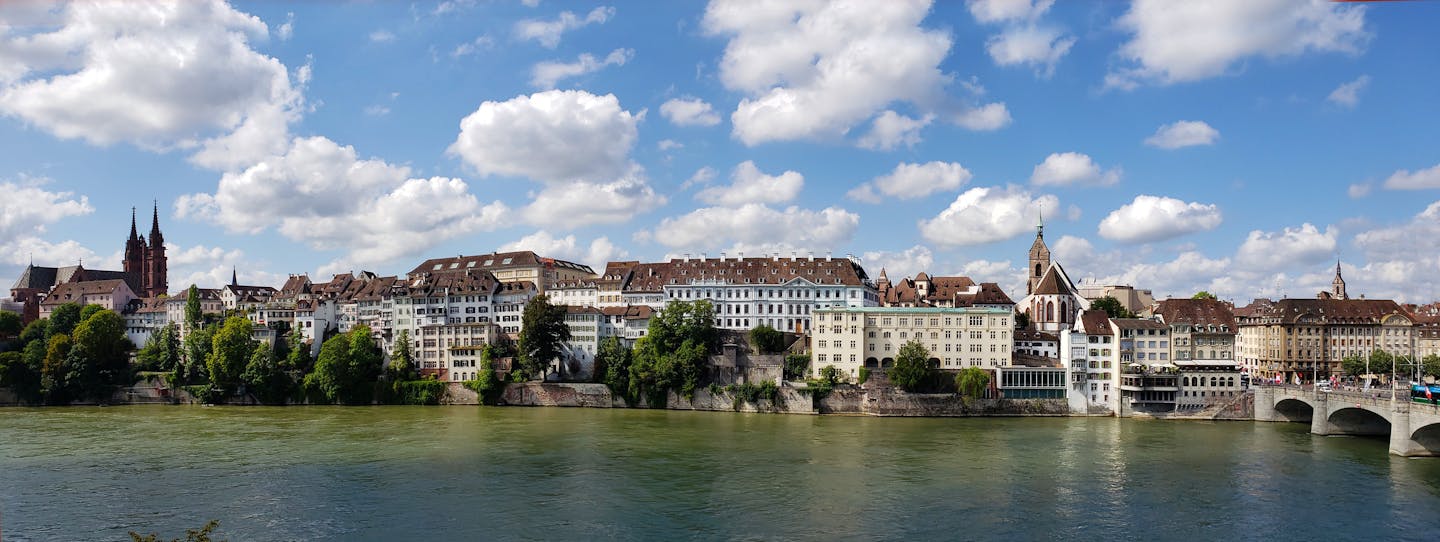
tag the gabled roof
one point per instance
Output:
(39, 278)
(1197, 312)
(75, 291)
(1095, 322)
(1055, 282)
(1324, 311)
(494, 261)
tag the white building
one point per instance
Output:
(853, 337)
(1088, 350)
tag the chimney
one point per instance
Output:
(827, 255)
(722, 256)
(702, 256)
(812, 256)
(739, 256)
(793, 255)
(687, 257)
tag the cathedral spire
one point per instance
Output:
(234, 276)
(133, 234)
(156, 238)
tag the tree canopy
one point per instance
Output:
(230, 351)
(766, 339)
(192, 308)
(972, 382)
(1202, 294)
(543, 333)
(1112, 307)
(912, 366)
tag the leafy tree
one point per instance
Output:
(912, 366)
(831, 374)
(542, 335)
(265, 378)
(1430, 366)
(89, 310)
(487, 384)
(63, 320)
(1202, 294)
(36, 331)
(230, 350)
(401, 367)
(766, 339)
(10, 325)
(972, 382)
(192, 308)
(299, 358)
(797, 366)
(20, 377)
(330, 379)
(81, 377)
(612, 364)
(162, 351)
(197, 348)
(1353, 365)
(1022, 320)
(106, 351)
(52, 377)
(1112, 307)
(672, 354)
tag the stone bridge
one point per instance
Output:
(1413, 428)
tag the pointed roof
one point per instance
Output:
(156, 238)
(133, 234)
(1055, 282)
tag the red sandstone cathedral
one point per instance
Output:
(144, 274)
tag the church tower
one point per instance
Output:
(156, 266)
(1039, 257)
(134, 255)
(1337, 286)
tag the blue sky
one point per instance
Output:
(1237, 147)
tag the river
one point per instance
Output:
(470, 473)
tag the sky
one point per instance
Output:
(1238, 147)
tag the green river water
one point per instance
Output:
(471, 473)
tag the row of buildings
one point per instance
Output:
(1178, 354)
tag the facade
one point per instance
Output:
(1032, 382)
(112, 294)
(1090, 351)
(145, 259)
(853, 337)
(521, 266)
(1133, 299)
(1303, 340)
(1148, 379)
(145, 272)
(1052, 301)
(1203, 348)
(143, 318)
(1029, 342)
(775, 291)
(927, 291)
(451, 352)
(586, 331)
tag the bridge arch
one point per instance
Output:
(1294, 410)
(1359, 421)
(1428, 437)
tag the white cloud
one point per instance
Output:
(1072, 168)
(910, 181)
(384, 214)
(1277, 250)
(998, 11)
(814, 71)
(545, 75)
(1359, 190)
(1183, 133)
(1405, 179)
(377, 110)
(481, 43)
(757, 225)
(689, 111)
(898, 265)
(551, 136)
(1150, 218)
(382, 36)
(161, 76)
(891, 129)
(212, 267)
(1188, 41)
(1418, 237)
(287, 29)
(669, 145)
(599, 252)
(548, 32)
(702, 176)
(1030, 45)
(985, 215)
(27, 207)
(20, 251)
(1348, 94)
(985, 118)
(579, 204)
(750, 185)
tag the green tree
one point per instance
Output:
(797, 367)
(10, 325)
(162, 351)
(19, 376)
(912, 367)
(366, 363)
(265, 378)
(401, 367)
(831, 374)
(487, 384)
(89, 310)
(542, 335)
(1353, 365)
(107, 352)
(972, 382)
(766, 339)
(63, 320)
(192, 308)
(230, 351)
(612, 364)
(1112, 307)
(1022, 320)
(1430, 365)
(36, 331)
(1202, 294)
(197, 346)
(299, 359)
(52, 376)
(330, 379)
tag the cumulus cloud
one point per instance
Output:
(1153, 218)
(552, 136)
(1348, 94)
(701, 177)
(985, 118)
(1405, 179)
(26, 210)
(1072, 168)
(1190, 41)
(546, 75)
(986, 214)
(548, 32)
(1276, 250)
(750, 185)
(1359, 190)
(580, 203)
(815, 70)
(1420, 236)
(891, 129)
(480, 43)
(596, 254)
(898, 265)
(1183, 133)
(911, 181)
(669, 145)
(212, 267)
(999, 11)
(384, 215)
(689, 111)
(174, 75)
(287, 29)
(757, 225)
(1036, 46)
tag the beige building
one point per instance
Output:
(1133, 299)
(1202, 346)
(522, 266)
(853, 337)
(1299, 340)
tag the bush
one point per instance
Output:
(766, 339)
(863, 376)
(797, 366)
(753, 393)
(416, 392)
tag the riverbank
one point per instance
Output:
(846, 400)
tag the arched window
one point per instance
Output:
(1050, 311)
(1037, 270)
(1064, 312)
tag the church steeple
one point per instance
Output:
(156, 238)
(133, 234)
(1039, 256)
(1337, 286)
(234, 277)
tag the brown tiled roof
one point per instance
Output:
(652, 277)
(147, 305)
(296, 285)
(1030, 334)
(581, 309)
(475, 281)
(1096, 322)
(1328, 311)
(990, 294)
(647, 277)
(1197, 312)
(1136, 323)
(630, 312)
(74, 291)
(494, 260)
(1053, 282)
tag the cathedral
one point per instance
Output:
(1052, 301)
(144, 274)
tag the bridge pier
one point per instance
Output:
(1320, 420)
(1264, 404)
